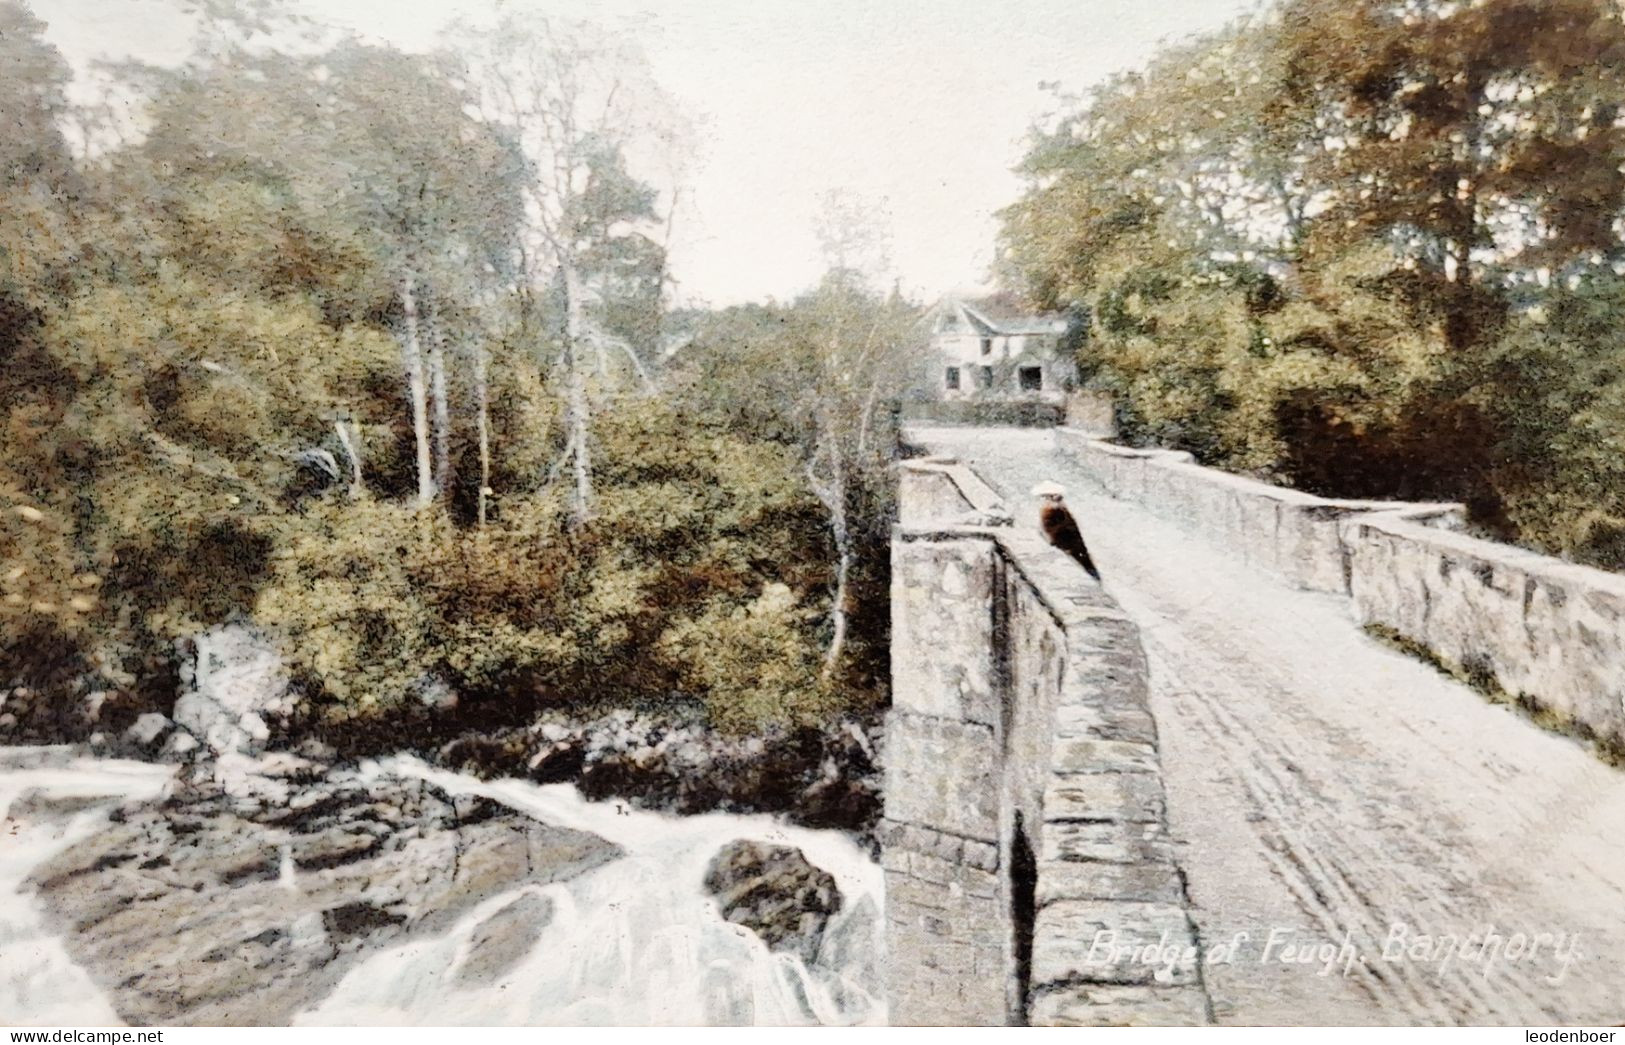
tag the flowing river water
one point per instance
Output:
(634, 942)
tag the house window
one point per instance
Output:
(950, 380)
(987, 376)
(1032, 378)
(987, 346)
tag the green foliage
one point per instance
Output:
(752, 662)
(1555, 385)
(696, 525)
(191, 383)
(1308, 242)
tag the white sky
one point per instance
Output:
(922, 105)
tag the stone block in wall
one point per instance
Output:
(1107, 720)
(913, 838)
(1577, 641)
(1106, 666)
(906, 892)
(942, 774)
(924, 495)
(1475, 617)
(1388, 581)
(942, 649)
(1102, 756)
(1112, 842)
(1308, 548)
(940, 938)
(1119, 1006)
(1152, 882)
(1114, 941)
(1129, 797)
(1093, 413)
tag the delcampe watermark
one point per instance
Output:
(1480, 950)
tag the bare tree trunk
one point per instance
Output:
(838, 613)
(578, 417)
(482, 395)
(832, 495)
(352, 450)
(439, 404)
(412, 354)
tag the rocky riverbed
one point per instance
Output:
(671, 761)
(400, 893)
(207, 909)
(259, 884)
(234, 696)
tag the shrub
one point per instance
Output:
(753, 665)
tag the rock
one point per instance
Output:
(39, 804)
(285, 765)
(434, 695)
(316, 750)
(183, 910)
(235, 682)
(776, 893)
(90, 706)
(179, 745)
(148, 732)
(672, 761)
(233, 689)
(557, 762)
(501, 941)
(838, 803)
(502, 754)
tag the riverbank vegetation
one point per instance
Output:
(1367, 249)
(373, 350)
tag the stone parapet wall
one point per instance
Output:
(1105, 866)
(942, 490)
(1024, 814)
(1288, 533)
(1547, 632)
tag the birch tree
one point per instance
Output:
(856, 344)
(574, 101)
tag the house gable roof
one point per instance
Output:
(999, 314)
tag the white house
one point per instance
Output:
(986, 349)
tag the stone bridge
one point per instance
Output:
(1292, 761)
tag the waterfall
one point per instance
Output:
(635, 941)
(39, 982)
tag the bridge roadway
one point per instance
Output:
(1323, 787)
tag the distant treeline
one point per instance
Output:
(1366, 248)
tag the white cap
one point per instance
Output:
(1049, 489)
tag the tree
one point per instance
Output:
(857, 345)
(854, 238)
(572, 100)
(1321, 270)
(1472, 136)
(36, 170)
(387, 159)
(817, 377)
